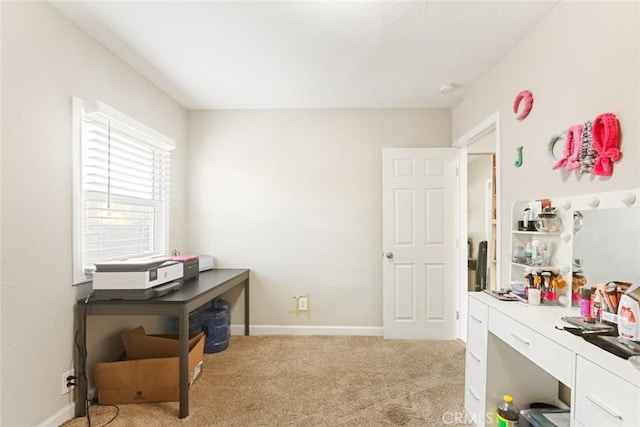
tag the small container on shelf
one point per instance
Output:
(530, 226)
(548, 221)
(575, 299)
(549, 297)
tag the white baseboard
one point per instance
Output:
(62, 416)
(370, 331)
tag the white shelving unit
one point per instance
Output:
(560, 250)
(562, 242)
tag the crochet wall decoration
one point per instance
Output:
(527, 97)
(555, 138)
(590, 147)
(605, 142)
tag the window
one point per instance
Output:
(121, 188)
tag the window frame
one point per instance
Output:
(80, 107)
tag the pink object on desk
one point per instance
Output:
(184, 258)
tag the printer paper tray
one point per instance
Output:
(136, 294)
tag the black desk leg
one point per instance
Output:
(80, 362)
(184, 362)
(246, 307)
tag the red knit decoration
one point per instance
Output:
(605, 141)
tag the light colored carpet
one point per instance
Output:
(314, 381)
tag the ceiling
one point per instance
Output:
(308, 54)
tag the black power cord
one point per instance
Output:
(112, 418)
(83, 355)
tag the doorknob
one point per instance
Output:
(389, 255)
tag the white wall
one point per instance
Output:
(296, 196)
(45, 61)
(1, 382)
(580, 61)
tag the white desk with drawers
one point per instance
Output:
(514, 348)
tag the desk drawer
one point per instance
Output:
(474, 399)
(604, 399)
(477, 320)
(476, 358)
(550, 356)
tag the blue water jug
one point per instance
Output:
(219, 303)
(215, 323)
(195, 322)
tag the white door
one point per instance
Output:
(419, 200)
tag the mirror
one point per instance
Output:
(608, 244)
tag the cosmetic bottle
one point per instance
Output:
(585, 302)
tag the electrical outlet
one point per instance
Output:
(68, 377)
(302, 303)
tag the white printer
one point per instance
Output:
(136, 278)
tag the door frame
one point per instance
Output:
(491, 123)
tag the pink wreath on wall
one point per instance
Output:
(528, 103)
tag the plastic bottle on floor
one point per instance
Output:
(219, 303)
(215, 328)
(508, 413)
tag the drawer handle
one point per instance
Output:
(473, 394)
(472, 354)
(477, 319)
(604, 407)
(519, 338)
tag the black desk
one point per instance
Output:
(193, 294)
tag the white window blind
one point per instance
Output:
(123, 203)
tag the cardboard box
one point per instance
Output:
(151, 371)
